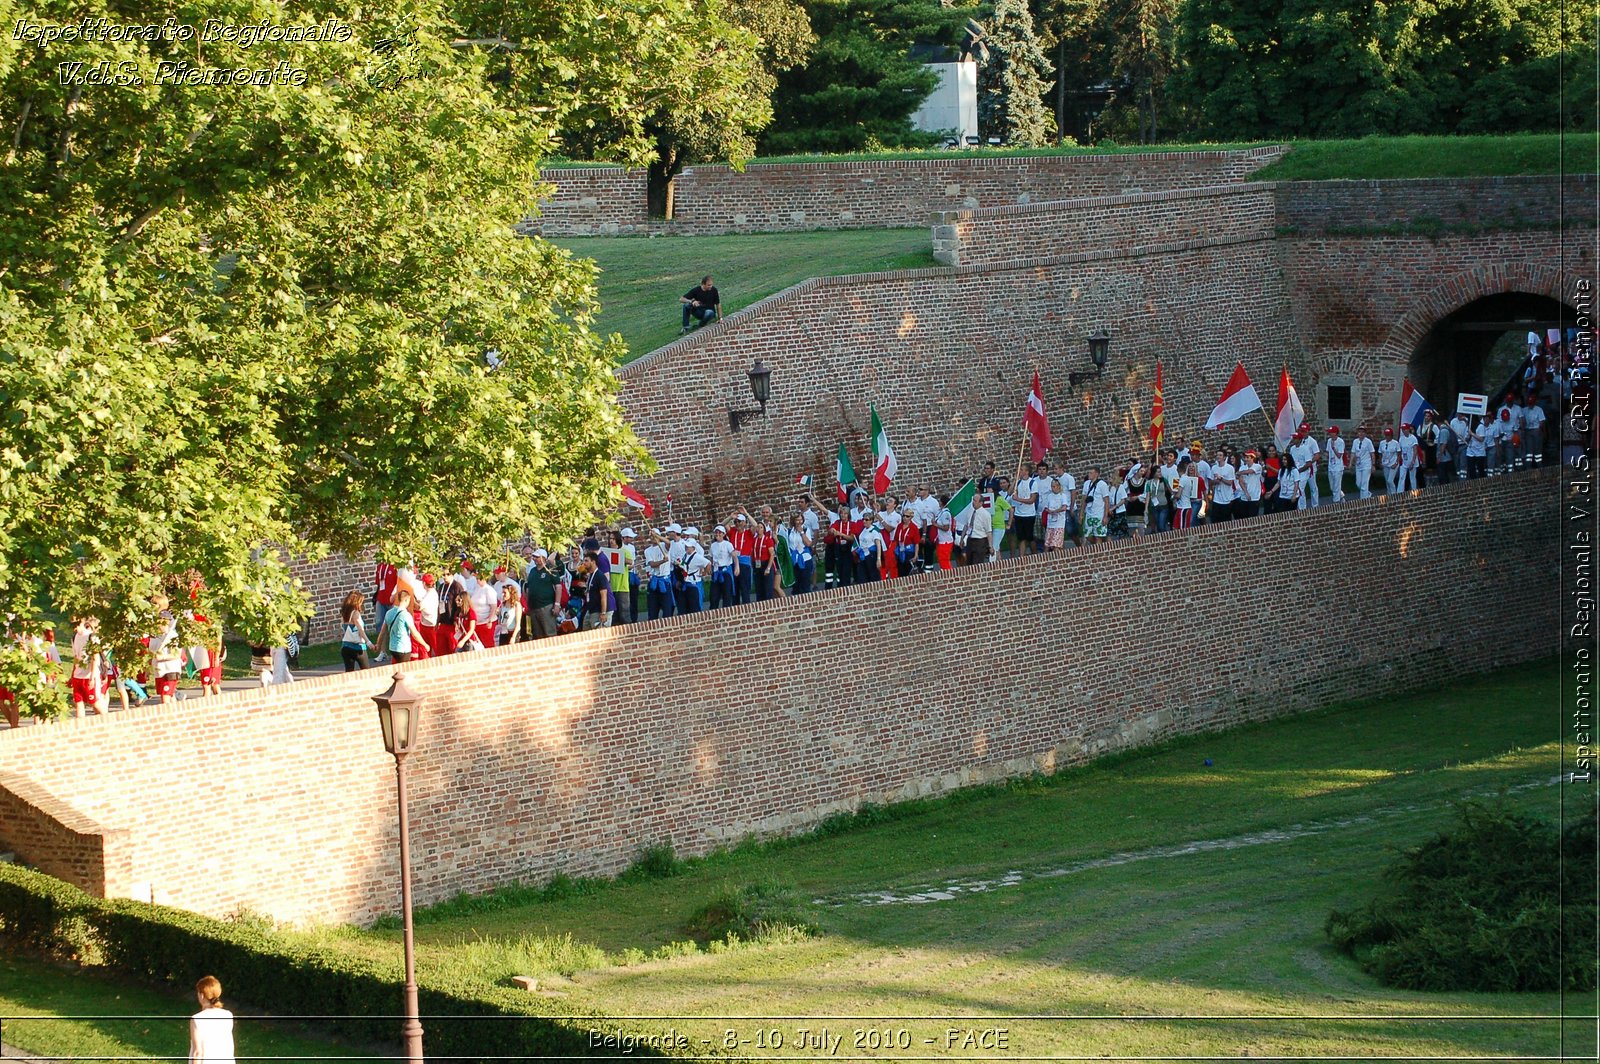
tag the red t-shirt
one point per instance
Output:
(765, 543)
(386, 579)
(743, 541)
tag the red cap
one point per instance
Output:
(1405, 424)
(1388, 432)
(1333, 430)
(500, 571)
(427, 580)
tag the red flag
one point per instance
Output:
(1238, 399)
(1036, 423)
(1158, 414)
(639, 502)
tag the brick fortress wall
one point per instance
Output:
(892, 193)
(947, 356)
(571, 755)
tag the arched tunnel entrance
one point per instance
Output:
(1478, 347)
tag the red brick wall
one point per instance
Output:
(59, 841)
(570, 755)
(948, 355)
(780, 197)
(1358, 207)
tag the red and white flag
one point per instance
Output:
(1291, 415)
(1238, 399)
(1036, 423)
(639, 502)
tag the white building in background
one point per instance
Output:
(953, 104)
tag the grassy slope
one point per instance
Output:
(1217, 931)
(1401, 157)
(642, 278)
(30, 988)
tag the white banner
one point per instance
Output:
(1472, 403)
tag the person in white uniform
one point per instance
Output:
(1410, 466)
(1303, 454)
(1389, 459)
(1462, 432)
(1361, 456)
(1336, 454)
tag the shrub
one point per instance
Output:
(751, 912)
(359, 997)
(1481, 908)
(653, 862)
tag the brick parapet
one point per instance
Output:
(867, 194)
(570, 755)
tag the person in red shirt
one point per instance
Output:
(743, 540)
(903, 548)
(841, 547)
(766, 543)
(384, 582)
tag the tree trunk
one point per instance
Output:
(658, 188)
(1061, 91)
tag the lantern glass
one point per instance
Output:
(1099, 348)
(761, 382)
(398, 710)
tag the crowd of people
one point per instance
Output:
(618, 576)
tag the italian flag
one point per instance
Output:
(884, 465)
(961, 504)
(844, 472)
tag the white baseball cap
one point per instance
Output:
(541, 553)
(675, 529)
(720, 528)
(627, 533)
(691, 532)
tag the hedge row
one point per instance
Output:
(360, 998)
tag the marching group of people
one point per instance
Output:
(618, 576)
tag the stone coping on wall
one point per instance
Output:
(1132, 199)
(870, 596)
(1270, 151)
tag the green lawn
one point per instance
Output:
(40, 1004)
(1186, 900)
(1402, 157)
(642, 277)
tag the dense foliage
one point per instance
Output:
(1014, 79)
(234, 317)
(1504, 902)
(860, 86)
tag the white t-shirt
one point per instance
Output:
(1188, 491)
(721, 552)
(1027, 487)
(1534, 417)
(656, 561)
(1302, 453)
(797, 542)
(1094, 499)
(695, 563)
(1361, 452)
(1389, 452)
(808, 518)
(870, 540)
(1222, 489)
(211, 1037)
(1408, 449)
(165, 651)
(428, 607)
(1336, 450)
(1069, 487)
(1477, 441)
(1461, 430)
(1055, 509)
(1250, 481)
(82, 666)
(891, 519)
(944, 527)
(484, 600)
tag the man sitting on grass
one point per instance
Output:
(701, 304)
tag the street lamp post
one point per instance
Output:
(399, 709)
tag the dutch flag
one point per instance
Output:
(1412, 405)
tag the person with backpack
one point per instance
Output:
(400, 633)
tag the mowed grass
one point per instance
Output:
(62, 1013)
(641, 278)
(1185, 900)
(1406, 157)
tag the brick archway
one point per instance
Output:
(1408, 334)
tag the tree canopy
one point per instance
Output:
(861, 85)
(1013, 82)
(236, 318)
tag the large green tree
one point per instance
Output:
(235, 317)
(1013, 81)
(861, 84)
